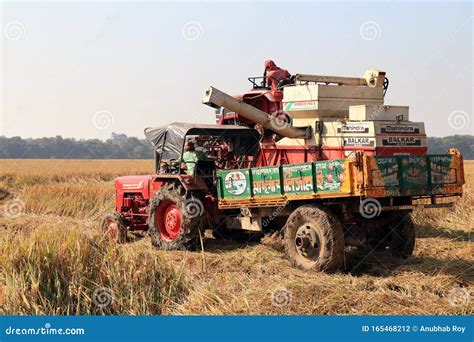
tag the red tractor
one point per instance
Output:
(174, 205)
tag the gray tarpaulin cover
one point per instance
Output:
(172, 136)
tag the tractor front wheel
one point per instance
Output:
(314, 239)
(113, 227)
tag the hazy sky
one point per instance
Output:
(85, 69)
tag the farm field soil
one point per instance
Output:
(53, 259)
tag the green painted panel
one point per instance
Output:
(235, 183)
(298, 179)
(329, 175)
(441, 173)
(398, 175)
(266, 181)
(385, 172)
(415, 174)
(415, 178)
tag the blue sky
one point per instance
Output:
(87, 69)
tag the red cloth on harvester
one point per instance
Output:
(274, 74)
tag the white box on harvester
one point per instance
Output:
(311, 101)
(378, 113)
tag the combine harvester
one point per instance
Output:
(321, 158)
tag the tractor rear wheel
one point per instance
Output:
(402, 236)
(175, 218)
(113, 227)
(314, 239)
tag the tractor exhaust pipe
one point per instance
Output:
(216, 98)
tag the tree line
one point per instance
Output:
(120, 146)
(464, 143)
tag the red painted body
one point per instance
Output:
(133, 195)
(132, 199)
(127, 186)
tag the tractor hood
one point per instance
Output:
(132, 183)
(169, 139)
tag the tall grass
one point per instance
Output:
(55, 270)
(72, 200)
(53, 259)
(21, 173)
(459, 216)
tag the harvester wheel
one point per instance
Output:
(314, 239)
(113, 227)
(175, 219)
(402, 239)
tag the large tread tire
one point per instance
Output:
(402, 240)
(330, 233)
(121, 229)
(189, 234)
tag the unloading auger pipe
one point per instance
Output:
(216, 98)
